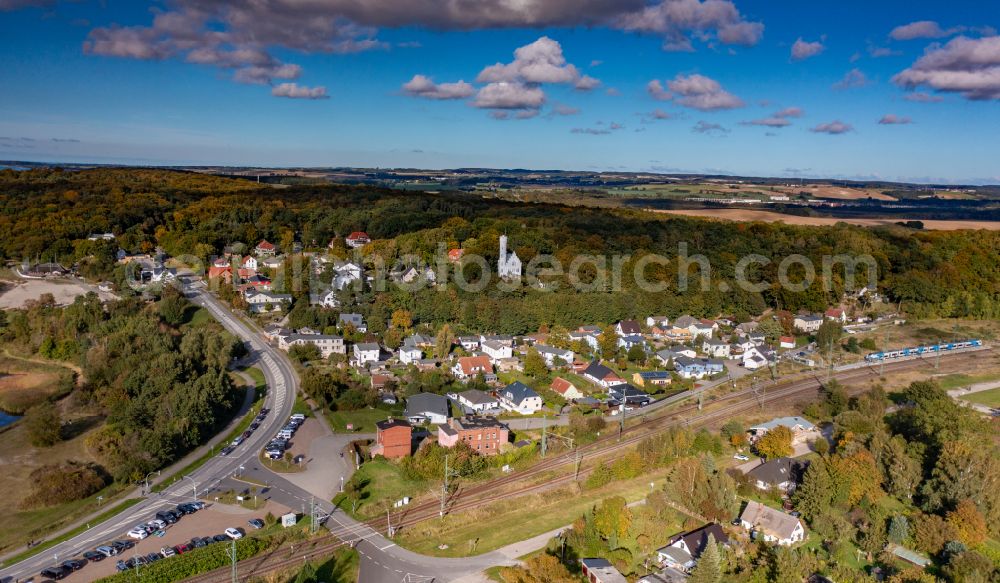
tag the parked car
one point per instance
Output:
(94, 556)
(220, 538)
(198, 543)
(121, 566)
(254, 426)
(234, 533)
(247, 434)
(157, 524)
(183, 548)
(239, 439)
(226, 450)
(741, 457)
(166, 516)
(54, 573)
(153, 557)
(198, 504)
(107, 550)
(298, 417)
(256, 523)
(138, 533)
(167, 552)
(139, 560)
(72, 565)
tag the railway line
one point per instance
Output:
(268, 562)
(735, 403)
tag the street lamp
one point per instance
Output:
(194, 486)
(146, 480)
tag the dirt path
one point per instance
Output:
(70, 366)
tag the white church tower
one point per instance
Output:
(508, 265)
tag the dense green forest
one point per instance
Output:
(159, 382)
(46, 214)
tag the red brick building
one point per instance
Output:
(394, 439)
(484, 435)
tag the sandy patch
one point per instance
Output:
(208, 522)
(772, 217)
(64, 292)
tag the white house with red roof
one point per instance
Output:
(357, 239)
(265, 249)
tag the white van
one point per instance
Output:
(285, 434)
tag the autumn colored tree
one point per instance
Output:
(612, 519)
(534, 364)
(776, 443)
(607, 342)
(968, 523)
(44, 424)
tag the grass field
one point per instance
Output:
(774, 217)
(990, 398)
(362, 420)
(503, 523)
(955, 381)
(383, 481)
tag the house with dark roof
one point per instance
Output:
(601, 375)
(476, 401)
(631, 396)
(628, 328)
(697, 368)
(521, 398)
(427, 408)
(355, 320)
(652, 378)
(684, 548)
(781, 473)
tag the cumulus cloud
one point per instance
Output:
(834, 128)
(509, 95)
(778, 119)
(659, 114)
(296, 91)
(704, 127)
(923, 29)
(893, 119)
(967, 66)
(852, 79)
(677, 20)
(802, 50)
(921, 97)
(423, 86)
(539, 62)
(695, 91)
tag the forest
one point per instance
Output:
(47, 214)
(159, 382)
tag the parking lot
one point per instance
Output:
(210, 521)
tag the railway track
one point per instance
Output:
(735, 403)
(268, 562)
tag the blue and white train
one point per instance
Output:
(919, 350)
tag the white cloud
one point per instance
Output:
(852, 79)
(923, 29)
(970, 67)
(678, 20)
(296, 91)
(539, 62)
(802, 50)
(695, 91)
(507, 95)
(921, 97)
(833, 128)
(423, 86)
(704, 127)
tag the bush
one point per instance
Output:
(60, 483)
(44, 425)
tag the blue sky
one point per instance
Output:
(313, 83)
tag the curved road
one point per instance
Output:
(382, 560)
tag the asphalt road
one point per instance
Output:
(281, 382)
(382, 561)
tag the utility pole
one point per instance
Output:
(621, 422)
(444, 486)
(829, 362)
(233, 559)
(701, 400)
(388, 523)
(576, 474)
(545, 423)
